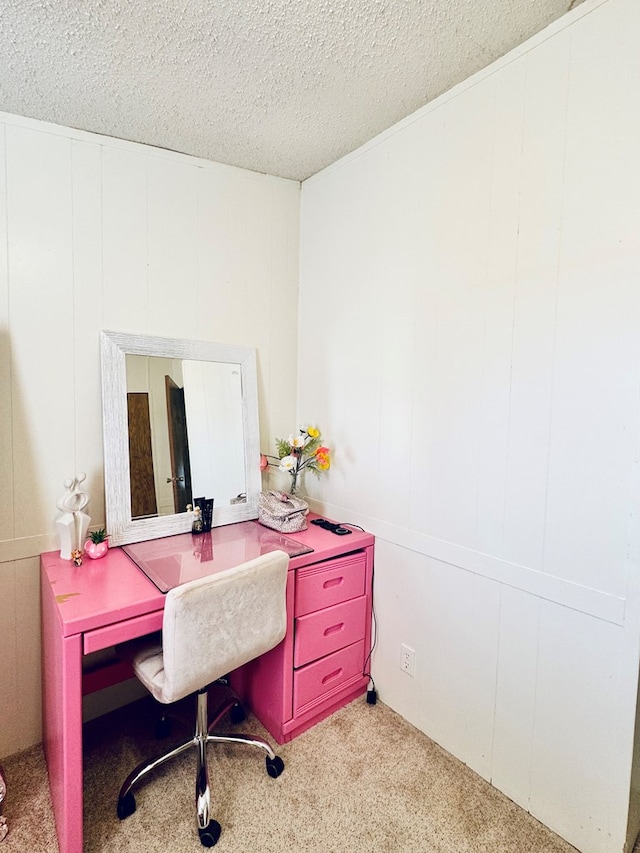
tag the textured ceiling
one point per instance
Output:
(278, 86)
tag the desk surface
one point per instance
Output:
(113, 588)
(99, 592)
(174, 560)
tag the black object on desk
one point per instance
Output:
(338, 529)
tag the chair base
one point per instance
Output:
(208, 829)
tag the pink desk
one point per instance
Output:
(109, 601)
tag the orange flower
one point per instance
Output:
(322, 458)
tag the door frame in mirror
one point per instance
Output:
(115, 346)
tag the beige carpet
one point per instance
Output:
(363, 780)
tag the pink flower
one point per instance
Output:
(264, 462)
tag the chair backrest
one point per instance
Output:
(214, 624)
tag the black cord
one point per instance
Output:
(372, 693)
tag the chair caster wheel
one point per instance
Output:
(275, 766)
(126, 805)
(210, 834)
(237, 714)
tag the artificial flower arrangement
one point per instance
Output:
(299, 452)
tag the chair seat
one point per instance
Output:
(147, 661)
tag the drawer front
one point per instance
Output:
(319, 634)
(120, 632)
(330, 583)
(327, 675)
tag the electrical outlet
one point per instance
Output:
(407, 660)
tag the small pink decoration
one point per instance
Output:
(95, 550)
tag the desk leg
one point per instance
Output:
(62, 724)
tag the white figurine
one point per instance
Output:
(74, 522)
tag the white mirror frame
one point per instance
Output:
(121, 527)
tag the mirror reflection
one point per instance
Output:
(186, 434)
(180, 423)
(159, 462)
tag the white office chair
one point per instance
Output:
(210, 627)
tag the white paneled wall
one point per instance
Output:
(468, 343)
(96, 234)
(477, 372)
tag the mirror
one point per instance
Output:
(180, 421)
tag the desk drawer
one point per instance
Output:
(319, 634)
(329, 583)
(120, 632)
(326, 675)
